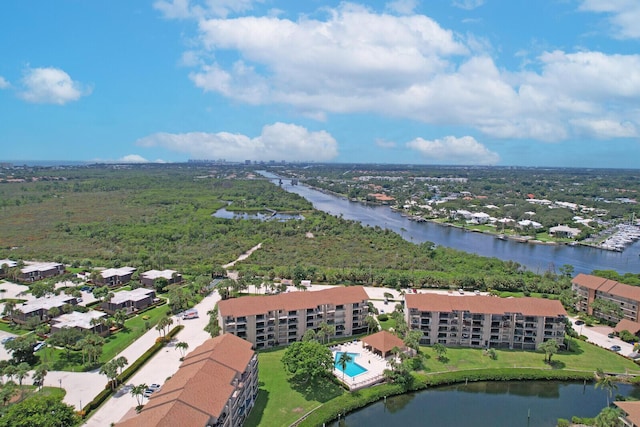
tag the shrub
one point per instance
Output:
(563, 422)
(383, 317)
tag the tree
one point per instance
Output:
(412, 340)
(39, 374)
(609, 417)
(21, 348)
(163, 324)
(66, 337)
(183, 347)
(41, 411)
(120, 363)
(605, 307)
(120, 316)
(22, 371)
(8, 390)
(372, 324)
(608, 383)
(326, 331)
(179, 299)
(309, 335)
(9, 309)
(41, 289)
(550, 347)
(110, 370)
(440, 350)
(344, 359)
(137, 391)
(213, 327)
(307, 361)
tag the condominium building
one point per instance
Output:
(115, 276)
(40, 270)
(272, 320)
(216, 386)
(485, 321)
(589, 288)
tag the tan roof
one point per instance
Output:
(485, 304)
(609, 286)
(627, 325)
(383, 341)
(632, 409)
(201, 387)
(289, 301)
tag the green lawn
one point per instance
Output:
(280, 404)
(12, 328)
(387, 324)
(586, 357)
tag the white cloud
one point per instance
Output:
(359, 61)
(4, 83)
(468, 4)
(51, 86)
(133, 158)
(402, 7)
(280, 141)
(385, 144)
(452, 150)
(624, 15)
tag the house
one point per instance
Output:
(485, 321)
(81, 321)
(631, 410)
(216, 385)
(131, 301)
(272, 320)
(149, 278)
(115, 276)
(528, 223)
(40, 270)
(480, 218)
(39, 308)
(627, 325)
(588, 288)
(564, 231)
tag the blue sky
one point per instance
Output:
(474, 82)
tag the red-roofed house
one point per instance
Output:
(589, 288)
(485, 321)
(216, 385)
(271, 320)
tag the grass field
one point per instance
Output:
(280, 403)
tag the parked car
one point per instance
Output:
(147, 393)
(579, 322)
(39, 346)
(154, 387)
(7, 339)
(611, 335)
(615, 348)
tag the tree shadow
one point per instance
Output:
(557, 364)
(321, 390)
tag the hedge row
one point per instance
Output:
(361, 398)
(127, 373)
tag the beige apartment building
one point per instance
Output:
(588, 288)
(272, 320)
(485, 321)
(216, 386)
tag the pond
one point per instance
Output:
(488, 404)
(262, 216)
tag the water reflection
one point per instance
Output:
(262, 216)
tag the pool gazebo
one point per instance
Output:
(381, 343)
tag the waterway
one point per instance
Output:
(537, 258)
(488, 404)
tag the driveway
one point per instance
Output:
(598, 335)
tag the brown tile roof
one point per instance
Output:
(200, 389)
(383, 341)
(609, 286)
(632, 409)
(248, 306)
(627, 325)
(485, 304)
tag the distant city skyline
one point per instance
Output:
(452, 82)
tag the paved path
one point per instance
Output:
(599, 335)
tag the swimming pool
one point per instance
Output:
(352, 368)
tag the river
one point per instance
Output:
(537, 258)
(488, 404)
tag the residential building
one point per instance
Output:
(588, 288)
(631, 410)
(272, 320)
(88, 321)
(115, 276)
(383, 343)
(40, 270)
(149, 278)
(485, 321)
(564, 231)
(131, 301)
(40, 308)
(216, 385)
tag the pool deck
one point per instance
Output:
(374, 364)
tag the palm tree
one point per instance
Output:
(344, 359)
(110, 370)
(182, 346)
(120, 363)
(608, 383)
(22, 371)
(137, 391)
(120, 316)
(39, 374)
